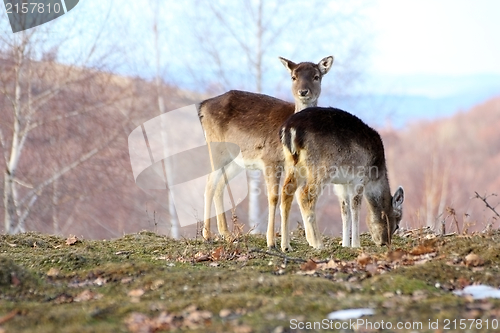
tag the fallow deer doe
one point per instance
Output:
(327, 145)
(251, 121)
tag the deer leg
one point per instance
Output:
(209, 196)
(226, 174)
(345, 210)
(308, 196)
(219, 209)
(289, 188)
(355, 209)
(272, 182)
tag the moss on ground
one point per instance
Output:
(47, 285)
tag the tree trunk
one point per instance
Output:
(174, 224)
(254, 176)
(9, 204)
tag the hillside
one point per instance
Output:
(83, 110)
(439, 163)
(145, 283)
(442, 163)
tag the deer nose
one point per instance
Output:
(304, 92)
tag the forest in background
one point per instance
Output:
(440, 163)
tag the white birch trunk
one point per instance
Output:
(174, 231)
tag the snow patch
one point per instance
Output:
(480, 291)
(350, 314)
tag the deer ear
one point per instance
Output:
(398, 198)
(325, 64)
(290, 65)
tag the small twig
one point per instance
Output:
(9, 316)
(453, 214)
(285, 257)
(486, 202)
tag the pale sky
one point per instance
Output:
(450, 37)
(429, 48)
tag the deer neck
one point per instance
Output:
(301, 105)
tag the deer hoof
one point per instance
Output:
(319, 247)
(227, 236)
(207, 235)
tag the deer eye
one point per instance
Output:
(316, 77)
(294, 78)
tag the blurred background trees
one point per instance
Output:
(72, 90)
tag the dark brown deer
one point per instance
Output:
(251, 121)
(327, 145)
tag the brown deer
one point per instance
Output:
(327, 145)
(251, 121)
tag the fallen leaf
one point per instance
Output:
(71, 240)
(157, 284)
(165, 321)
(139, 323)
(309, 265)
(53, 272)
(217, 253)
(87, 295)
(127, 280)
(332, 264)
(63, 298)
(14, 280)
(422, 249)
(371, 268)
(390, 303)
(473, 260)
(396, 255)
(419, 295)
(198, 316)
(200, 256)
(100, 281)
(364, 259)
(194, 318)
(418, 262)
(463, 282)
(224, 313)
(136, 293)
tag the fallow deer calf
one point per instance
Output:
(251, 121)
(327, 145)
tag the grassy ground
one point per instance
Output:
(147, 283)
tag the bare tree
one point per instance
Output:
(39, 99)
(161, 108)
(241, 42)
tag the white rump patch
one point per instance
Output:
(293, 134)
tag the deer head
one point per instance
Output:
(306, 80)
